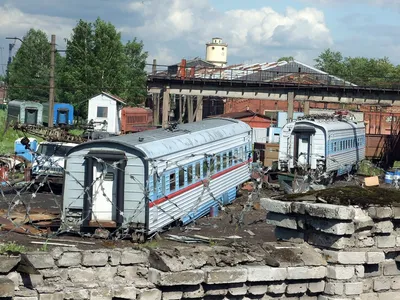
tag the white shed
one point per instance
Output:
(105, 111)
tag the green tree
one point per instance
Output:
(135, 77)
(286, 58)
(96, 60)
(29, 71)
(331, 62)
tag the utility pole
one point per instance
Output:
(52, 67)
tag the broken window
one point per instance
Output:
(198, 171)
(212, 165)
(190, 174)
(181, 177)
(172, 184)
(205, 167)
(218, 162)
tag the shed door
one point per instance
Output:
(31, 115)
(104, 191)
(303, 155)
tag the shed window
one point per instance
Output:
(172, 184)
(181, 177)
(102, 112)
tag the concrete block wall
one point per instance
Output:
(181, 273)
(361, 245)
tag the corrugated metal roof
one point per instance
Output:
(161, 142)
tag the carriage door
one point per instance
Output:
(104, 191)
(303, 152)
(31, 115)
(62, 117)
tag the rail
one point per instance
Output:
(280, 77)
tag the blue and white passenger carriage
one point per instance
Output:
(147, 181)
(329, 145)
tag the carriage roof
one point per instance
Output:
(160, 142)
(327, 124)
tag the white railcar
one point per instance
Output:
(149, 180)
(330, 146)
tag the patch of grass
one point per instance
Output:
(7, 141)
(12, 247)
(76, 132)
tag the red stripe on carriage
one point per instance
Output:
(194, 185)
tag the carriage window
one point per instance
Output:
(155, 182)
(212, 165)
(181, 177)
(224, 161)
(163, 186)
(218, 160)
(245, 152)
(241, 154)
(334, 147)
(190, 174)
(198, 171)
(235, 156)
(230, 158)
(205, 168)
(172, 182)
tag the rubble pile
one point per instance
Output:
(360, 243)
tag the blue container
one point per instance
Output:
(214, 210)
(389, 177)
(20, 150)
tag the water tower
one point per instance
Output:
(217, 52)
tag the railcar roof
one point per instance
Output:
(23, 102)
(160, 142)
(331, 124)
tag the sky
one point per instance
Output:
(255, 30)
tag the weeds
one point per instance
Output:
(12, 247)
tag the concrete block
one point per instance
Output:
(6, 287)
(215, 290)
(383, 227)
(225, 275)
(24, 298)
(149, 294)
(395, 283)
(277, 289)
(345, 257)
(259, 289)
(380, 212)
(398, 241)
(106, 274)
(114, 258)
(334, 288)
(316, 287)
(281, 220)
(81, 275)
(171, 295)
(298, 207)
(52, 296)
(385, 241)
(391, 269)
(365, 242)
(396, 212)
(382, 284)
(41, 260)
(76, 294)
(389, 296)
(340, 272)
(131, 257)
(330, 241)
(330, 211)
(331, 226)
(97, 259)
(295, 273)
(7, 263)
(193, 291)
(265, 273)
(353, 288)
(70, 259)
(369, 296)
(360, 271)
(32, 280)
(237, 289)
(281, 207)
(190, 277)
(124, 292)
(296, 288)
(289, 235)
(375, 257)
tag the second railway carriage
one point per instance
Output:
(63, 114)
(147, 181)
(25, 112)
(332, 146)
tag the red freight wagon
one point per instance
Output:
(136, 119)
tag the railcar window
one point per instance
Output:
(163, 186)
(205, 168)
(155, 183)
(172, 183)
(181, 177)
(190, 174)
(212, 165)
(241, 155)
(334, 147)
(230, 158)
(218, 162)
(224, 161)
(235, 156)
(198, 171)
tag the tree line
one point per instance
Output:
(95, 60)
